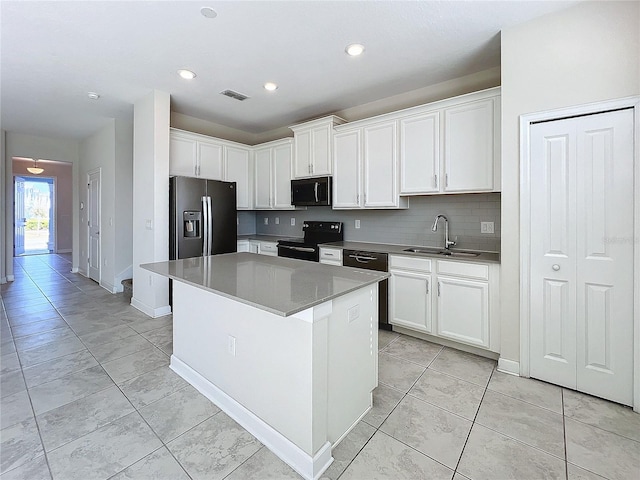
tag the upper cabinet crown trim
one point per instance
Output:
(330, 119)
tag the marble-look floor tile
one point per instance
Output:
(7, 346)
(174, 414)
(535, 426)
(398, 373)
(451, 393)
(19, 444)
(159, 465)
(11, 383)
(430, 430)
(61, 391)
(38, 327)
(142, 326)
(121, 348)
(577, 473)
(603, 414)
(466, 366)
(602, 452)
(73, 420)
(134, 365)
(167, 348)
(93, 339)
(385, 400)
(14, 409)
(28, 308)
(413, 350)
(106, 451)
(528, 390)
(214, 448)
(92, 322)
(36, 469)
(58, 367)
(49, 352)
(152, 386)
(490, 455)
(385, 337)
(385, 458)
(159, 336)
(9, 363)
(33, 318)
(347, 450)
(44, 338)
(264, 465)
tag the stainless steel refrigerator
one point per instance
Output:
(202, 217)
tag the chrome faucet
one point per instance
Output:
(447, 243)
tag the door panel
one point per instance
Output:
(463, 310)
(20, 218)
(380, 165)
(93, 200)
(582, 254)
(210, 161)
(346, 170)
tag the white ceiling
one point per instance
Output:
(54, 52)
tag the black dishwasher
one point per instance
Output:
(380, 263)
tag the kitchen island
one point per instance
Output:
(285, 347)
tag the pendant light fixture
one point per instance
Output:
(36, 170)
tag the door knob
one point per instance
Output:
(556, 267)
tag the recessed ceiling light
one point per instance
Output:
(270, 86)
(93, 95)
(354, 49)
(208, 12)
(186, 74)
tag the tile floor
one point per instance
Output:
(86, 393)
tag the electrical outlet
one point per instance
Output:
(277, 220)
(266, 220)
(486, 227)
(293, 222)
(232, 346)
(357, 223)
(353, 313)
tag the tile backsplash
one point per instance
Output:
(404, 227)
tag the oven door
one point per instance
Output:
(301, 252)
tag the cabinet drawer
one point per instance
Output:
(267, 248)
(410, 263)
(472, 270)
(334, 254)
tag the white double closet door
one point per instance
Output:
(582, 234)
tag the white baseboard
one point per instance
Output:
(509, 366)
(75, 270)
(64, 250)
(3, 280)
(10, 278)
(152, 312)
(309, 467)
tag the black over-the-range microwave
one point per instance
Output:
(307, 192)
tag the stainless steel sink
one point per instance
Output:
(444, 253)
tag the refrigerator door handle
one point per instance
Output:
(210, 226)
(205, 214)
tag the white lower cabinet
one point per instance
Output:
(331, 256)
(243, 246)
(268, 248)
(455, 300)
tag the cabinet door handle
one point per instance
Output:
(427, 282)
(435, 181)
(446, 179)
(438, 288)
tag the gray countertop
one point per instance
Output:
(491, 257)
(266, 238)
(283, 286)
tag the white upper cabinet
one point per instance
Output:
(420, 154)
(238, 169)
(193, 155)
(365, 165)
(469, 147)
(313, 142)
(273, 175)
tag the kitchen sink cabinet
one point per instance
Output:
(273, 176)
(313, 147)
(453, 300)
(365, 167)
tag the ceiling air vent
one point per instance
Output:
(235, 95)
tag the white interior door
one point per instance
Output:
(93, 208)
(582, 254)
(20, 219)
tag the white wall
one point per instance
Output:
(3, 213)
(584, 54)
(123, 191)
(150, 201)
(30, 146)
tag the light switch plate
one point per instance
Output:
(277, 220)
(486, 227)
(357, 224)
(266, 220)
(293, 222)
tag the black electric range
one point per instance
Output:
(315, 233)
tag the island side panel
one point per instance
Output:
(353, 359)
(278, 367)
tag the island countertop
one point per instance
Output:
(278, 285)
